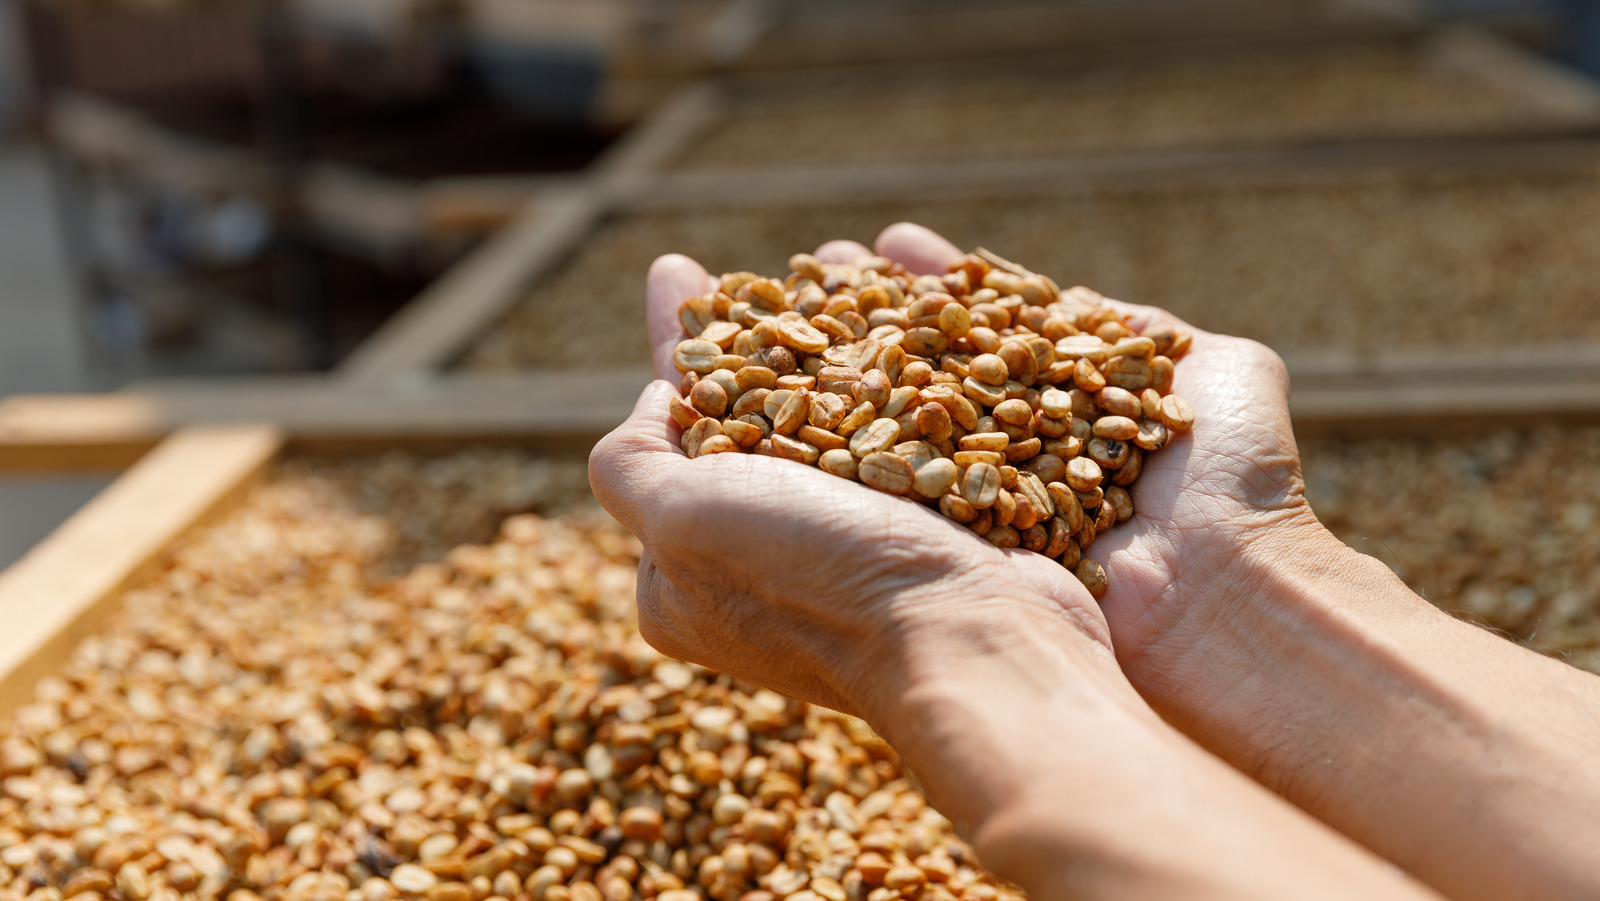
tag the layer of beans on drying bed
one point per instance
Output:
(1340, 91)
(1502, 529)
(1365, 266)
(326, 695)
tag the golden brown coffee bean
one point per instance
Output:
(695, 355)
(1128, 372)
(862, 415)
(709, 398)
(1161, 372)
(1004, 507)
(887, 472)
(821, 439)
(1119, 402)
(696, 435)
(1047, 467)
(901, 400)
(874, 388)
(839, 462)
(749, 377)
(719, 444)
(1176, 414)
(970, 458)
(1083, 474)
(1152, 436)
(827, 410)
(774, 402)
(1131, 469)
(792, 415)
(1002, 535)
(933, 420)
(988, 395)
(1087, 377)
(1055, 403)
(1023, 451)
(981, 486)
(1119, 500)
(681, 413)
(806, 266)
(752, 401)
(1020, 362)
(1093, 576)
(1048, 427)
(881, 435)
(988, 369)
(984, 441)
(794, 449)
(1110, 453)
(935, 477)
(1119, 427)
(1013, 412)
(743, 433)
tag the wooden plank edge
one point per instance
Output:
(553, 410)
(439, 324)
(1441, 410)
(60, 592)
(466, 301)
(1546, 87)
(1211, 171)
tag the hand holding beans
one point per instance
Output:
(975, 391)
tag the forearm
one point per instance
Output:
(1034, 743)
(1459, 756)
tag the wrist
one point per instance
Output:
(1000, 696)
(1316, 671)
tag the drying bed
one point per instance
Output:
(1499, 529)
(1379, 263)
(365, 681)
(1453, 83)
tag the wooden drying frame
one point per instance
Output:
(473, 295)
(1392, 393)
(431, 333)
(563, 411)
(63, 589)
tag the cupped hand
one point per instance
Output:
(1201, 504)
(786, 576)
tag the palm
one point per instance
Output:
(1236, 471)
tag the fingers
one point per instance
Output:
(627, 466)
(921, 250)
(842, 252)
(673, 279)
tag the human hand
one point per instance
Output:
(1250, 627)
(789, 577)
(990, 670)
(1202, 503)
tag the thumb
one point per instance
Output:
(627, 466)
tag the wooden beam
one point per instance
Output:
(1144, 171)
(58, 594)
(829, 34)
(444, 320)
(547, 411)
(369, 213)
(568, 411)
(1548, 89)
